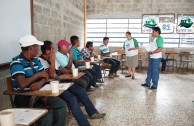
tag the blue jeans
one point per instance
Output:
(70, 96)
(153, 72)
(115, 64)
(98, 70)
(92, 75)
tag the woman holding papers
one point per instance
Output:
(131, 51)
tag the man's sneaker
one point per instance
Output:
(96, 86)
(99, 81)
(97, 115)
(152, 88)
(145, 85)
(133, 77)
(111, 76)
(115, 74)
(128, 76)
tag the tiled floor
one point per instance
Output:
(126, 103)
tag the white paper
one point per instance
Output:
(25, 116)
(151, 47)
(62, 86)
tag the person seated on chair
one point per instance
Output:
(115, 64)
(79, 61)
(27, 73)
(64, 58)
(88, 52)
(52, 67)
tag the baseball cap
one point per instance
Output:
(29, 40)
(64, 42)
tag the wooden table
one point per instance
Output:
(69, 76)
(27, 116)
(97, 61)
(35, 94)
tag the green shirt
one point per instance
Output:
(159, 41)
(77, 55)
(62, 59)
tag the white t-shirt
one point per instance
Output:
(157, 43)
(46, 64)
(128, 44)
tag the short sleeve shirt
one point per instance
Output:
(85, 53)
(63, 59)
(22, 66)
(130, 44)
(46, 64)
(157, 43)
(76, 54)
(104, 49)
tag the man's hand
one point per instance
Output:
(35, 86)
(150, 53)
(42, 74)
(52, 55)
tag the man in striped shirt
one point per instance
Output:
(115, 64)
(28, 74)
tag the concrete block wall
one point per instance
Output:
(135, 8)
(58, 19)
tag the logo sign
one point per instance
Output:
(165, 22)
(185, 24)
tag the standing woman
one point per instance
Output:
(131, 51)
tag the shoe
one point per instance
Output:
(152, 88)
(99, 81)
(164, 72)
(128, 76)
(144, 85)
(111, 76)
(97, 115)
(96, 86)
(115, 74)
(133, 77)
(90, 89)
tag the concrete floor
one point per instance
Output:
(126, 103)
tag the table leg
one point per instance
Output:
(33, 99)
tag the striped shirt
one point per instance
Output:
(104, 49)
(22, 66)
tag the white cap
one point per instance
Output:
(29, 40)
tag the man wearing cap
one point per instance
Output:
(27, 73)
(64, 57)
(78, 59)
(50, 64)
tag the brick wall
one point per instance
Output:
(58, 19)
(135, 8)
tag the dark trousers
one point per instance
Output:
(98, 70)
(92, 75)
(82, 82)
(163, 68)
(70, 98)
(115, 64)
(56, 117)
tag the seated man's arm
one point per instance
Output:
(64, 71)
(24, 82)
(104, 54)
(18, 73)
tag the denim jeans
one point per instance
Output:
(98, 70)
(115, 64)
(92, 75)
(153, 72)
(163, 64)
(70, 96)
